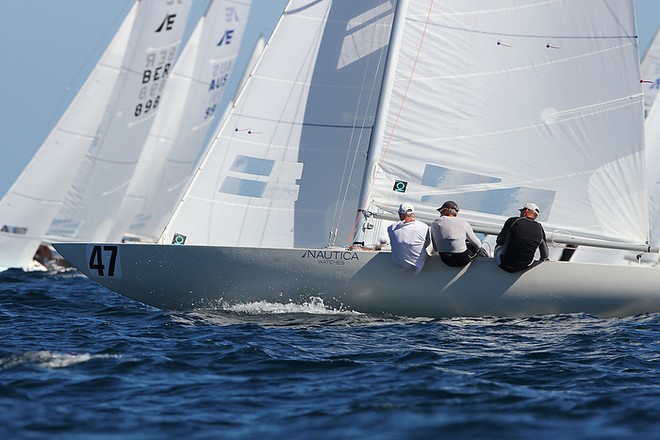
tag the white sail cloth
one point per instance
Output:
(286, 165)
(498, 104)
(651, 73)
(189, 109)
(93, 199)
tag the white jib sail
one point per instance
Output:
(89, 208)
(498, 104)
(189, 107)
(286, 165)
(27, 209)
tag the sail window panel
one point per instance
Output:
(504, 202)
(19, 230)
(366, 34)
(252, 165)
(63, 228)
(267, 167)
(442, 177)
(243, 187)
(370, 16)
(253, 188)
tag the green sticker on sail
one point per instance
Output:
(179, 239)
(400, 186)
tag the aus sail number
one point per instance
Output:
(104, 260)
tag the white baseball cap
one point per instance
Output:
(406, 208)
(531, 207)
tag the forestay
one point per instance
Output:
(498, 104)
(286, 165)
(189, 108)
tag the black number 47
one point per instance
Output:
(96, 260)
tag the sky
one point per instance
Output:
(49, 47)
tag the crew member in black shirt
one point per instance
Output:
(519, 238)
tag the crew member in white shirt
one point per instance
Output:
(408, 240)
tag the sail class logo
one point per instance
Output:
(226, 37)
(167, 24)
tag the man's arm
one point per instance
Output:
(543, 246)
(501, 237)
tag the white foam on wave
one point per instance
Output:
(314, 306)
(51, 359)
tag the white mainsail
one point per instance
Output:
(495, 105)
(189, 107)
(293, 147)
(88, 211)
(650, 74)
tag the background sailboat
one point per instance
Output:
(191, 104)
(481, 103)
(90, 206)
(76, 142)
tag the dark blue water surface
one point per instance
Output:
(78, 361)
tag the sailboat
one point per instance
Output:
(72, 186)
(191, 103)
(380, 103)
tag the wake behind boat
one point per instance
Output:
(174, 277)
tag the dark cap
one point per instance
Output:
(449, 204)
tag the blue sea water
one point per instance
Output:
(79, 361)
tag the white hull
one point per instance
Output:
(187, 277)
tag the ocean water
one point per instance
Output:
(78, 361)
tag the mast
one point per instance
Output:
(375, 144)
